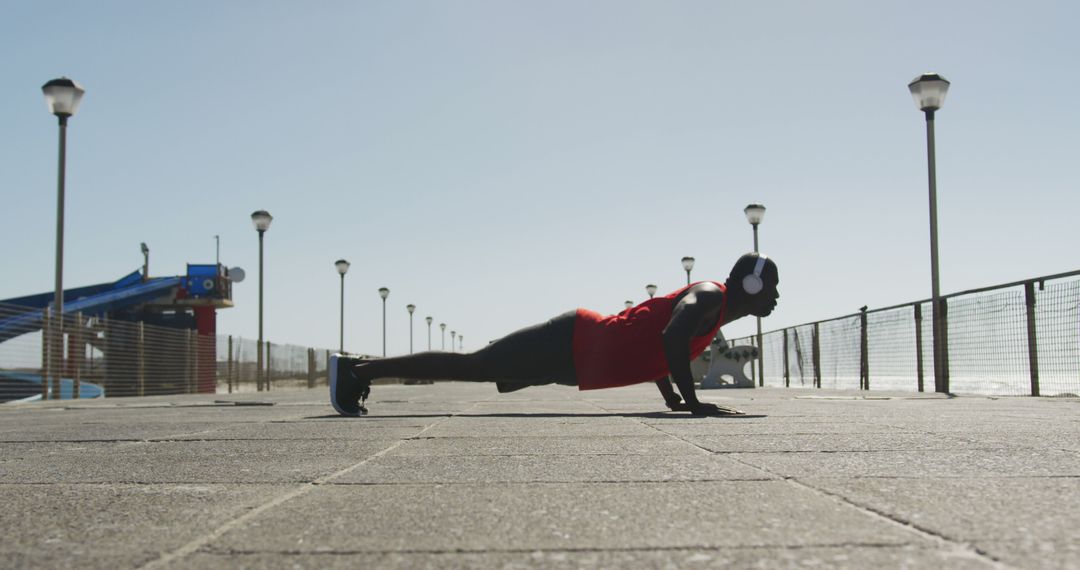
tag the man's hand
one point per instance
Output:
(706, 409)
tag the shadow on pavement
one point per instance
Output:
(650, 415)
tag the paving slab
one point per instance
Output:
(613, 445)
(823, 442)
(971, 509)
(254, 461)
(959, 462)
(111, 526)
(390, 469)
(808, 558)
(561, 516)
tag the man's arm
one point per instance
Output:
(687, 318)
(672, 399)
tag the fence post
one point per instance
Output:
(188, 368)
(310, 368)
(229, 366)
(864, 352)
(945, 343)
(816, 344)
(1033, 347)
(77, 342)
(106, 338)
(141, 355)
(46, 333)
(258, 365)
(269, 368)
(753, 369)
(787, 372)
(918, 344)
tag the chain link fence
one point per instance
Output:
(1015, 339)
(93, 356)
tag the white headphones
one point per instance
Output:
(752, 283)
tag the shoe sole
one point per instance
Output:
(333, 388)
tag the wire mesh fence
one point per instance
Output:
(1019, 338)
(42, 357)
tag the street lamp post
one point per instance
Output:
(442, 327)
(452, 335)
(651, 290)
(461, 342)
(146, 261)
(628, 304)
(755, 213)
(688, 265)
(342, 269)
(410, 307)
(428, 319)
(384, 293)
(261, 219)
(929, 92)
(62, 97)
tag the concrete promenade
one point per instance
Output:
(457, 476)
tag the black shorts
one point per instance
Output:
(536, 355)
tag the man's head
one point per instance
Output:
(752, 282)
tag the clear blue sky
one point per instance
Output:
(497, 163)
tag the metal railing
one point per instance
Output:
(1020, 338)
(113, 357)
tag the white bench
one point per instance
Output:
(727, 365)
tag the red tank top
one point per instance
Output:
(628, 348)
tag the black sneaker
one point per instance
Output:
(347, 392)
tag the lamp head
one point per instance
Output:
(929, 91)
(688, 263)
(650, 289)
(410, 307)
(754, 213)
(342, 266)
(384, 292)
(261, 219)
(428, 319)
(63, 96)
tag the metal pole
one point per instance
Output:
(229, 368)
(341, 321)
(217, 250)
(57, 328)
(410, 333)
(1033, 345)
(687, 276)
(384, 328)
(80, 345)
(141, 358)
(761, 351)
(429, 337)
(918, 345)
(787, 370)
(46, 338)
(941, 383)
(864, 352)
(259, 360)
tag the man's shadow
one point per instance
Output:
(644, 415)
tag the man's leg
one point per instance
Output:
(534, 355)
(540, 352)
